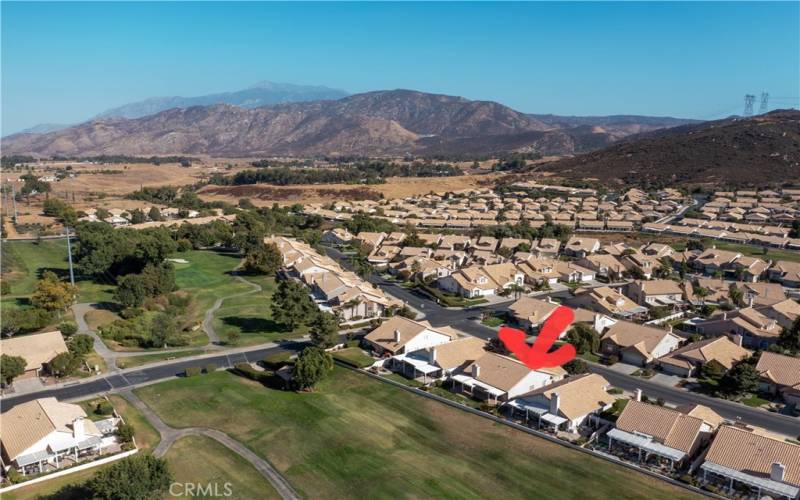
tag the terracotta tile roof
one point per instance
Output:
(780, 369)
(709, 416)
(754, 453)
(659, 287)
(36, 349)
(627, 334)
(670, 427)
(454, 354)
(503, 372)
(533, 310)
(719, 349)
(578, 396)
(384, 335)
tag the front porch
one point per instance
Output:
(639, 448)
(415, 366)
(49, 460)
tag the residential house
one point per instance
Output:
(537, 270)
(400, 335)
(496, 378)
(421, 267)
(690, 359)
(468, 282)
(569, 272)
(530, 313)
(713, 261)
(44, 434)
(655, 293)
(605, 265)
(383, 255)
(750, 269)
(784, 312)
(440, 361)
(454, 242)
(546, 247)
(337, 236)
(566, 404)
(581, 246)
(785, 272)
(506, 275)
(37, 350)
(765, 464)
(637, 344)
(658, 432)
(780, 375)
(370, 240)
(609, 301)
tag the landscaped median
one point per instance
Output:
(353, 433)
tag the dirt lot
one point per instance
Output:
(396, 187)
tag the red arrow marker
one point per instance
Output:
(536, 357)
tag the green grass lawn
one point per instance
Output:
(207, 277)
(250, 316)
(493, 321)
(25, 261)
(755, 401)
(749, 250)
(200, 459)
(132, 361)
(147, 437)
(356, 434)
(354, 356)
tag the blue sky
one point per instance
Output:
(65, 62)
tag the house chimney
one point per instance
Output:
(669, 328)
(397, 336)
(750, 300)
(555, 403)
(725, 315)
(476, 370)
(777, 471)
(737, 339)
(433, 355)
(78, 429)
(638, 394)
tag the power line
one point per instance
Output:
(764, 107)
(749, 100)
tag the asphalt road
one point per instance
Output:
(437, 316)
(459, 319)
(132, 377)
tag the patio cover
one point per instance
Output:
(646, 444)
(553, 419)
(32, 458)
(750, 480)
(418, 364)
(472, 382)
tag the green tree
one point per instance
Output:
(583, 338)
(11, 367)
(130, 292)
(790, 337)
(137, 216)
(68, 328)
(576, 367)
(138, 477)
(736, 295)
(81, 345)
(52, 294)
(64, 364)
(291, 305)
(312, 365)
(324, 330)
(741, 379)
(263, 259)
(154, 213)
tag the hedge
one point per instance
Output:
(276, 359)
(193, 371)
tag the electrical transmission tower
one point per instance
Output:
(764, 107)
(749, 100)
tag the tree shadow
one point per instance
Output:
(68, 492)
(253, 325)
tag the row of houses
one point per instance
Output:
(551, 400)
(474, 208)
(774, 236)
(753, 207)
(336, 290)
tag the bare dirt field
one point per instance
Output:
(395, 187)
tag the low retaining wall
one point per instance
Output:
(533, 432)
(64, 472)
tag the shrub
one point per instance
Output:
(104, 408)
(14, 477)
(124, 433)
(613, 359)
(193, 371)
(615, 390)
(276, 359)
(211, 368)
(68, 328)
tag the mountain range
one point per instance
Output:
(373, 123)
(761, 150)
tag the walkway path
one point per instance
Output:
(110, 356)
(170, 434)
(208, 320)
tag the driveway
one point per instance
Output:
(666, 379)
(624, 368)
